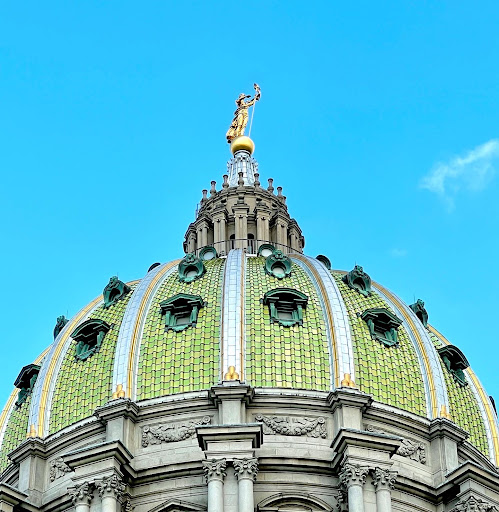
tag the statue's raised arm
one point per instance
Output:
(240, 119)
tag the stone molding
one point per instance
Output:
(246, 468)
(383, 479)
(472, 504)
(111, 486)
(353, 474)
(81, 494)
(58, 468)
(411, 449)
(214, 469)
(289, 426)
(171, 432)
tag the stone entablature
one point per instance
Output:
(243, 217)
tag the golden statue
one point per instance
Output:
(241, 114)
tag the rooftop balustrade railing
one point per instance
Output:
(248, 245)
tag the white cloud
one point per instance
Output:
(472, 172)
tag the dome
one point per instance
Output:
(245, 317)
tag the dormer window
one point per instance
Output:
(114, 291)
(383, 325)
(286, 306)
(181, 311)
(358, 280)
(89, 336)
(455, 362)
(420, 311)
(25, 382)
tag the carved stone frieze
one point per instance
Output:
(171, 432)
(291, 426)
(58, 469)
(246, 468)
(214, 469)
(409, 448)
(384, 479)
(472, 504)
(353, 474)
(111, 486)
(82, 493)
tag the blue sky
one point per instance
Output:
(378, 119)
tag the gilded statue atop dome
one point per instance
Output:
(240, 120)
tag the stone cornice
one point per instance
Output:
(33, 447)
(231, 390)
(441, 427)
(349, 397)
(98, 452)
(250, 432)
(121, 407)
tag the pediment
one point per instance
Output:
(175, 505)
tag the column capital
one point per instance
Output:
(472, 504)
(246, 468)
(353, 474)
(111, 486)
(384, 479)
(214, 469)
(81, 494)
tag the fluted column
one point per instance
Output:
(214, 472)
(246, 471)
(111, 490)
(384, 481)
(353, 478)
(81, 496)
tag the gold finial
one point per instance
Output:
(32, 432)
(231, 374)
(119, 393)
(444, 413)
(240, 119)
(347, 382)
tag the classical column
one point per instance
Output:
(384, 481)
(111, 490)
(353, 477)
(246, 471)
(214, 472)
(81, 497)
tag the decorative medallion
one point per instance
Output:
(181, 311)
(382, 325)
(278, 265)
(420, 311)
(208, 253)
(59, 326)
(114, 291)
(358, 280)
(455, 362)
(286, 306)
(190, 268)
(266, 250)
(89, 336)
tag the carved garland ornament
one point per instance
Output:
(413, 450)
(171, 432)
(472, 504)
(58, 469)
(287, 426)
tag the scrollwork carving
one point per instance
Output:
(171, 432)
(58, 468)
(472, 504)
(288, 426)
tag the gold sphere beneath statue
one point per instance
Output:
(242, 143)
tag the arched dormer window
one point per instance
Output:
(190, 268)
(278, 265)
(383, 325)
(286, 306)
(89, 336)
(25, 382)
(420, 311)
(181, 311)
(358, 280)
(455, 362)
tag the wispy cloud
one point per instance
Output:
(398, 253)
(472, 171)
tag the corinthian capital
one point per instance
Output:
(353, 474)
(81, 494)
(111, 486)
(384, 479)
(246, 468)
(214, 469)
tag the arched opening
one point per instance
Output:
(251, 244)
